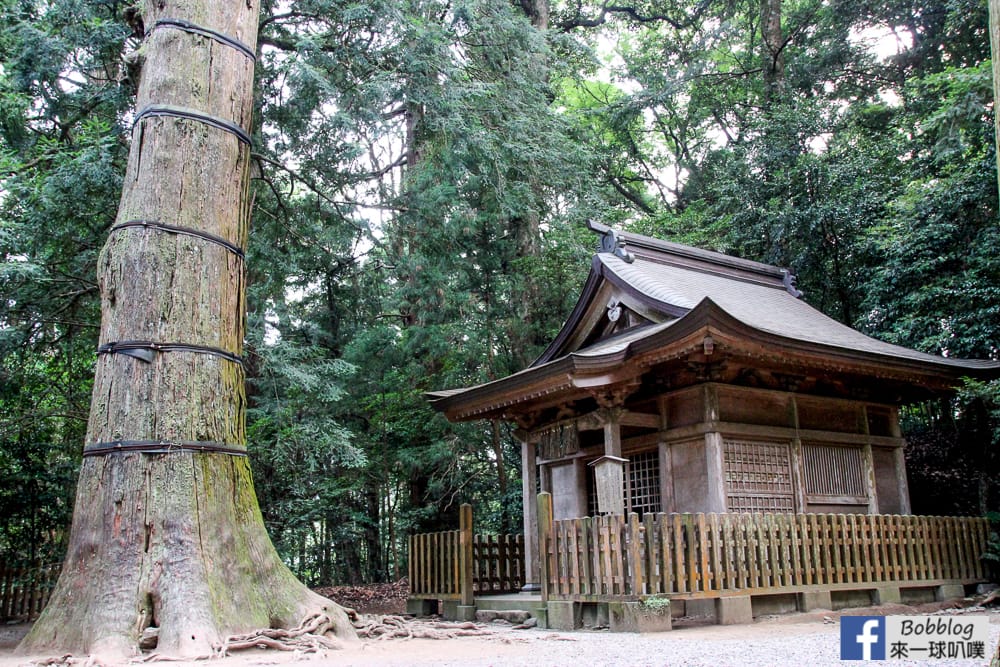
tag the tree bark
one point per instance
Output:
(994, 6)
(538, 12)
(772, 46)
(176, 540)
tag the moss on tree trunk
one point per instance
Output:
(176, 541)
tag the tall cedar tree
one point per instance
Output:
(175, 540)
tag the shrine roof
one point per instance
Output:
(675, 295)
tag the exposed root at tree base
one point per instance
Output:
(310, 636)
(397, 627)
(313, 635)
(68, 659)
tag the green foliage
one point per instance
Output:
(303, 459)
(60, 104)
(656, 603)
(424, 172)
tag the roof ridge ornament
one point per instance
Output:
(612, 242)
(788, 279)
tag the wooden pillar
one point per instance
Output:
(715, 492)
(609, 470)
(710, 399)
(868, 461)
(666, 479)
(529, 486)
(544, 534)
(715, 476)
(899, 459)
(612, 432)
(545, 478)
(465, 562)
(798, 467)
(580, 473)
(666, 462)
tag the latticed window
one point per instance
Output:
(758, 476)
(641, 481)
(833, 472)
(643, 474)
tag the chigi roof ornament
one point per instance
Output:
(611, 242)
(789, 281)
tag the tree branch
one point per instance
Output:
(633, 14)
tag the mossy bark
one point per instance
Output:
(176, 541)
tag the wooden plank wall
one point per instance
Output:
(25, 592)
(703, 555)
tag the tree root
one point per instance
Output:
(309, 637)
(397, 627)
(312, 636)
(68, 660)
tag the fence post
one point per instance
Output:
(544, 534)
(465, 561)
(636, 583)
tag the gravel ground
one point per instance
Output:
(767, 644)
(794, 640)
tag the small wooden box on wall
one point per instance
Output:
(610, 480)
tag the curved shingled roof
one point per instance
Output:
(767, 308)
(682, 291)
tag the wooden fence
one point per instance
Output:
(458, 565)
(705, 555)
(24, 592)
(498, 564)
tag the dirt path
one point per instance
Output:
(794, 639)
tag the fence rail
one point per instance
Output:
(705, 555)
(458, 565)
(24, 592)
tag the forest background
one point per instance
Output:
(424, 172)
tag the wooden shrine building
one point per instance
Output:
(690, 381)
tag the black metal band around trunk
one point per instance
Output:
(186, 231)
(160, 447)
(145, 350)
(187, 26)
(188, 114)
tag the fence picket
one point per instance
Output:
(717, 581)
(703, 555)
(885, 535)
(608, 557)
(759, 530)
(691, 555)
(679, 553)
(666, 553)
(651, 543)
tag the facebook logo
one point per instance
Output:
(862, 637)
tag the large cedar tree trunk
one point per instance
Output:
(994, 6)
(176, 540)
